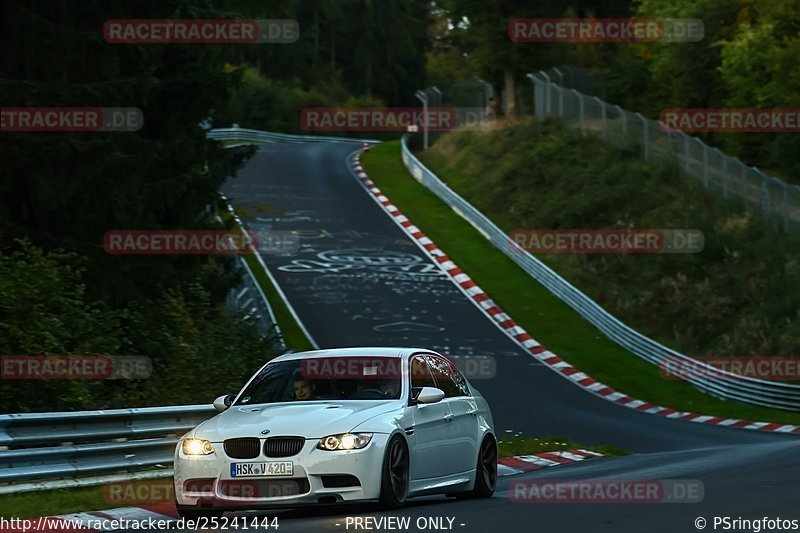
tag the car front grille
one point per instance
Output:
(245, 448)
(263, 488)
(283, 446)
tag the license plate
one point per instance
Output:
(273, 468)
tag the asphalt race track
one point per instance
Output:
(357, 280)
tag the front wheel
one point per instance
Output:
(394, 481)
(486, 471)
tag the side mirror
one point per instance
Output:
(429, 395)
(223, 402)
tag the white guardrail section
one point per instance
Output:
(242, 134)
(714, 381)
(81, 448)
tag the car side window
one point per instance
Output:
(443, 372)
(420, 374)
(459, 379)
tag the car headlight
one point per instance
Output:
(197, 447)
(345, 441)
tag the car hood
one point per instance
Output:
(306, 419)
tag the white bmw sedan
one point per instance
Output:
(343, 425)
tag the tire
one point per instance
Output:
(485, 472)
(394, 479)
(193, 513)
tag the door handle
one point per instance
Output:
(448, 417)
(472, 412)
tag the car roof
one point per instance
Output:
(353, 352)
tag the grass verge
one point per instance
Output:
(528, 446)
(52, 502)
(293, 335)
(545, 317)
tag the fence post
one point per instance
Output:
(785, 207)
(724, 174)
(645, 138)
(560, 101)
(548, 85)
(765, 199)
(705, 162)
(560, 76)
(624, 115)
(685, 153)
(604, 117)
(743, 179)
(579, 96)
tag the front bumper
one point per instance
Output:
(313, 469)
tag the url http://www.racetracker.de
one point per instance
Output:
(25, 525)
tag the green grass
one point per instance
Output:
(528, 446)
(293, 335)
(545, 317)
(52, 502)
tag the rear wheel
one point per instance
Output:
(486, 471)
(394, 482)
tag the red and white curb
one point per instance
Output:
(508, 466)
(523, 339)
(166, 512)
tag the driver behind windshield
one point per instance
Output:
(391, 388)
(304, 389)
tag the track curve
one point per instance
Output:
(358, 280)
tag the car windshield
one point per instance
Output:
(330, 378)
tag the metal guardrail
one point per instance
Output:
(249, 298)
(43, 448)
(242, 134)
(705, 377)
